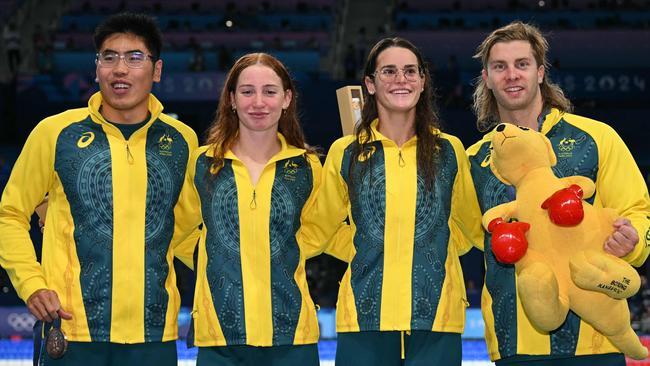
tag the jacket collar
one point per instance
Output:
(550, 119)
(553, 117)
(375, 135)
(286, 151)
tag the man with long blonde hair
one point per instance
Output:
(514, 88)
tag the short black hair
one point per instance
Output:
(140, 25)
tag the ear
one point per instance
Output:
(157, 71)
(484, 76)
(370, 85)
(549, 148)
(540, 74)
(287, 99)
(232, 100)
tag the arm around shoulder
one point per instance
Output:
(187, 215)
(465, 210)
(326, 210)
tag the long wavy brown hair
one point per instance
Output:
(427, 120)
(223, 132)
(484, 103)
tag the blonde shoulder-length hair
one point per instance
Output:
(484, 103)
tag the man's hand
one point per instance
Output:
(623, 239)
(41, 211)
(44, 304)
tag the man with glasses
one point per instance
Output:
(113, 174)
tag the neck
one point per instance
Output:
(526, 117)
(532, 178)
(259, 146)
(126, 117)
(397, 126)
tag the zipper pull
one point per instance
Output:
(129, 156)
(253, 204)
(401, 161)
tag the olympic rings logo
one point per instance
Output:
(21, 322)
(567, 144)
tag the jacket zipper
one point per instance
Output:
(129, 156)
(400, 161)
(253, 203)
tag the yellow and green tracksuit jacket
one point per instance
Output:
(110, 221)
(583, 147)
(251, 283)
(404, 272)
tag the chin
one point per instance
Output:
(519, 105)
(122, 106)
(260, 127)
(403, 108)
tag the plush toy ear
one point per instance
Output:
(496, 172)
(551, 153)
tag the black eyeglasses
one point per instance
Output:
(132, 59)
(389, 73)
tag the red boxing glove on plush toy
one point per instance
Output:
(509, 242)
(565, 206)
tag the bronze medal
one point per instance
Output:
(56, 343)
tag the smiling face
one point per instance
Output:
(514, 77)
(399, 94)
(125, 91)
(259, 98)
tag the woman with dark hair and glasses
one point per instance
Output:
(406, 188)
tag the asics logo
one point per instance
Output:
(486, 162)
(366, 153)
(86, 139)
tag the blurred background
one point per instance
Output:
(600, 55)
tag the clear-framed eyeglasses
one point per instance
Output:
(132, 59)
(389, 73)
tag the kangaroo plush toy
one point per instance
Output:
(564, 266)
